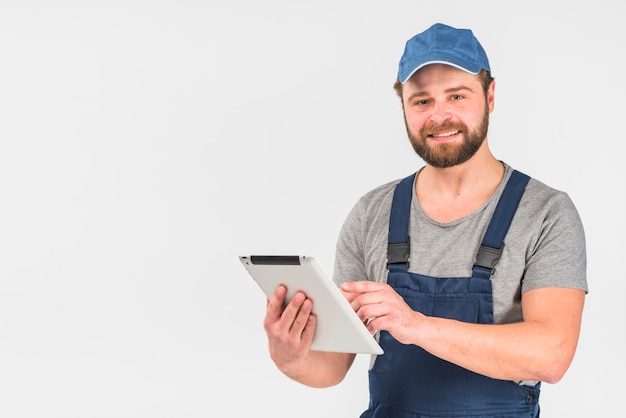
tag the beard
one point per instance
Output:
(446, 155)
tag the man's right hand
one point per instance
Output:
(289, 330)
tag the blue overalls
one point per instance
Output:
(409, 382)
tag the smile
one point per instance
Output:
(444, 134)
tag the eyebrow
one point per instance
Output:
(450, 90)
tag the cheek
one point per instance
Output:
(414, 121)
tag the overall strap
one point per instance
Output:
(493, 241)
(398, 248)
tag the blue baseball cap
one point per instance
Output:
(442, 44)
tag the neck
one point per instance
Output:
(446, 194)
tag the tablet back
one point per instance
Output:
(338, 328)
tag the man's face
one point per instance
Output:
(446, 114)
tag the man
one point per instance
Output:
(471, 274)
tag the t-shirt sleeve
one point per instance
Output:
(558, 258)
(349, 252)
(360, 252)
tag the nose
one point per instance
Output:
(440, 114)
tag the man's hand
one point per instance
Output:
(381, 308)
(289, 330)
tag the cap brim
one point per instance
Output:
(405, 78)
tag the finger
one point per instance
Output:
(360, 299)
(309, 330)
(374, 324)
(275, 304)
(371, 305)
(291, 311)
(302, 318)
(350, 296)
(370, 312)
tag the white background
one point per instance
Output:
(144, 145)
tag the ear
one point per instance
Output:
(491, 96)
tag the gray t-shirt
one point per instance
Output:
(545, 245)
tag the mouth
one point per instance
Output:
(443, 135)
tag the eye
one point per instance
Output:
(422, 102)
(457, 97)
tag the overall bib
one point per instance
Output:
(406, 381)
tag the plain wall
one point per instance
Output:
(145, 145)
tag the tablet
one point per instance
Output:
(338, 327)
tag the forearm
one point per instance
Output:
(522, 351)
(319, 369)
(539, 348)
